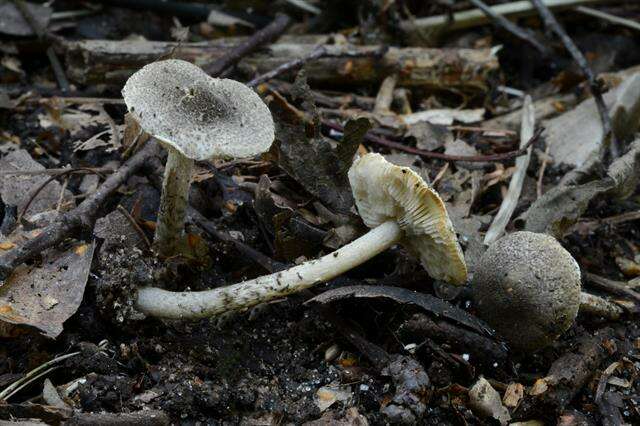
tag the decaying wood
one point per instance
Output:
(106, 61)
(567, 376)
(474, 17)
(139, 418)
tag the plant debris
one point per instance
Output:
(337, 273)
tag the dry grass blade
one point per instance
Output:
(510, 201)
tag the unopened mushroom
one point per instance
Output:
(394, 201)
(527, 287)
(195, 117)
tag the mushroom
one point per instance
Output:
(195, 117)
(394, 201)
(527, 287)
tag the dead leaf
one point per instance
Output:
(328, 395)
(513, 395)
(44, 296)
(561, 207)
(444, 117)
(6, 245)
(311, 159)
(577, 134)
(16, 190)
(427, 302)
(83, 119)
(429, 136)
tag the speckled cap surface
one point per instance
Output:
(527, 287)
(384, 192)
(200, 116)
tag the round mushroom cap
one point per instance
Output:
(385, 192)
(527, 287)
(200, 116)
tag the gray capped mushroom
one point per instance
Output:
(527, 287)
(394, 201)
(195, 117)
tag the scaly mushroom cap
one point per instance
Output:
(200, 116)
(384, 192)
(527, 287)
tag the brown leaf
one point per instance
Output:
(45, 296)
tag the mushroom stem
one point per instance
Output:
(173, 204)
(199, 304)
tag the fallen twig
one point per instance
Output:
(596, 88)
(78, 221)
(611, 286)
(135, 226)
(42, 34)
(378, 140)
(595, 13)
(138, 418)
(65, 172)
(475, 17)
(33, 375)
(257, 40)
(503, 22)
(567, 376)
(318, 52)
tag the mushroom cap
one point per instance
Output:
(527, 287)
(200, 116)
(385, 192)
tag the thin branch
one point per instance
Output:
(612, 19)
(503, 22)
(318, 52)
(42, 34)
(378, 140)
(58, 171)
(611, 286)
(253, 43)
(596, 87)
(51, 179)
(135, 225)
(78, 221)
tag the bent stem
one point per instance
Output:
(173, 204)
(199, 304)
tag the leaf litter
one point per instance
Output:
(80, 184)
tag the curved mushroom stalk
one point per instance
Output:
(394, 201)
(199, 304)
(174, 201)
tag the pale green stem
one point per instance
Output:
(169, 236)
(199, 304)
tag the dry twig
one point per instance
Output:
(253, 43)
(378, 140)
(78, 221)
(503, 22)
(596, 87)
